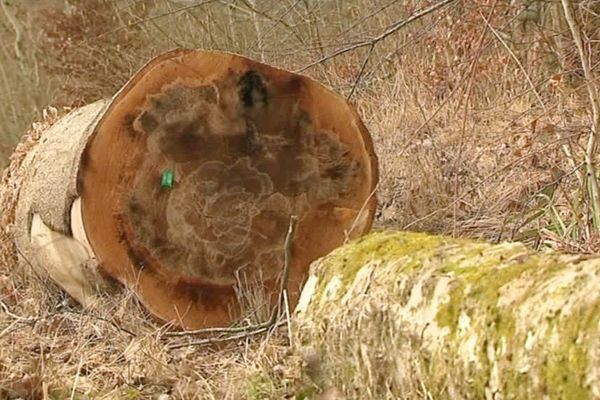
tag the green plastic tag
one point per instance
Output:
(166, 179)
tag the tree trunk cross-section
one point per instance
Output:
(247, 146)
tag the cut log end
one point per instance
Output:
(196, 168)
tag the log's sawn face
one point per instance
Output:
(248, 146)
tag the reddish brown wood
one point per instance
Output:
(250, 145)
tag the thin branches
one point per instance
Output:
(595, 104)
(361, 71)
(12, 19)
(492, 174)
(518, 62)
(155, 17)
(393, 28)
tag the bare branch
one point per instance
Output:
(389, 31)
(10, 15)
(155, 17)
(361, 71)
(595, 104)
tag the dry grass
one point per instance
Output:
(51, 349)
(479, 117)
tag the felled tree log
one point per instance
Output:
(187, 179)
(409, 315)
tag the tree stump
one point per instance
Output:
(188, 178)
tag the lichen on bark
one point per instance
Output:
(399, 314)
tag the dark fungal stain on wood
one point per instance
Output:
(128, 120)
(336, 171)
(210, 296)
(139, 255)
(84, 163)
(252, 143)
(252, 89)
(293, 85)
(148, 122)
(134, 206)
(136, 261)
(247, 156)
(121, 234)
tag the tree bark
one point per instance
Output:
(186, 181)
(410, 315)
(40, 219)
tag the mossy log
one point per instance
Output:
(184, 184)
(410, 315)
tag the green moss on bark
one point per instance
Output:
(449, 313)
(465, 318)
(346, 261)
(566, 371)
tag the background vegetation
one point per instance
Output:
(480, 110)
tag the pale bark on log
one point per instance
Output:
(44, 216)
(409, 315)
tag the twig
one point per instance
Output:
(279, 21)
(361, 71)
(99, 318)
(9, 328)
(215, 331)
(467, 99)
(519, 64)
(228, 338)
(15, 25)
(388, 57)
(76, 381)
(595, 103)
(15, 316)
(155, 17)
(555, 181)
(389, 31)
(240, 332)
(360, 213)
(365, 18)
(289, 238)
(254, 12)
(487, 177)
(287, 319)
